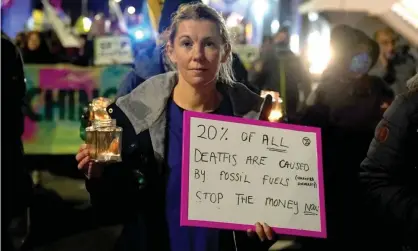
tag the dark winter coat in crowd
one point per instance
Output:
(389, 173)
(347, 109)
(17, 184)
(282, 71)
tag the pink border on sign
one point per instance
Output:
(184, 207)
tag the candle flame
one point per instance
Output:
(114, 146)
(275, 115)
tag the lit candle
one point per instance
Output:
(275, 115)
(276, 112)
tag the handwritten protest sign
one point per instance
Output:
(237, 172)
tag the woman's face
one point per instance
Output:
(34, 42)
(197, 51)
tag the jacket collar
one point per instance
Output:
(147, 103)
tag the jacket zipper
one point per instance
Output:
(235, 241)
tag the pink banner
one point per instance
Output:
(56, 3)
(6, 4)
(56, 95)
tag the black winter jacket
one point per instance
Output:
(389, 173)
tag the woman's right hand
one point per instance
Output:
(86, 165)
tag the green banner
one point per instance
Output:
(56, 96)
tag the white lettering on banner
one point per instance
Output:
(237, 172)
(113, 50)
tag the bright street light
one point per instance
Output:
(139, 34)
(275, 26)
(131, 10)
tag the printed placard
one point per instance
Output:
(113, 50)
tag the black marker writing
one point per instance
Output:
(275, 180)
(311, 209)
(214, 198)
(200, 174)
(247, 136)
(272, 141)
(286, 204)
(212, 132)
(273, 149)
(215, 157)
(256, 160)
(307, 184)
(237, 177)
(306, 181)
(274, 146)
(244, 199)
(293, 165)
(303, 178)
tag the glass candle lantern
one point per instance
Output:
(104, 139)
(91, 141)
(276, 113)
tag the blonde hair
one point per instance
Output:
(387, 31)
(200, 11)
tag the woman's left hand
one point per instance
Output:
(263, 231)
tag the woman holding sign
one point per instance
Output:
(144, 189)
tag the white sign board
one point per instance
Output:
(237, 172)
(113, 50)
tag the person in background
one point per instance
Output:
(347, 77)
(17, 183)
(280, 70)
(267, 44)
(241, 73)
(36, 50)
(20, 40)
(149, 61)
(389, 172)
(257, 65)
(394, 65)
(152, 117)
(347, 106)
(84, 53)
(58, 53)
